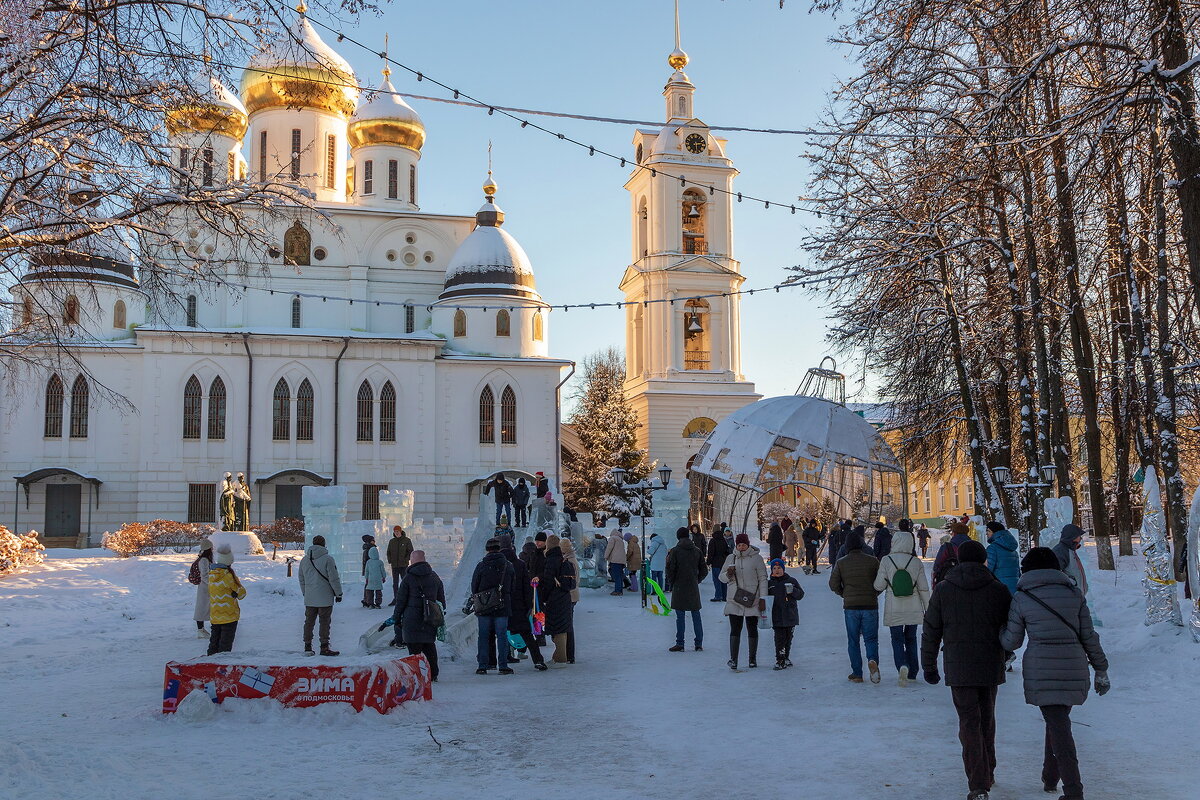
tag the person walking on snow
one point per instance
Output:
(1062, 643)
(321, 587)
(568, 551)
(923, 536)
(785, 593)
(718, 552)
(745, 570)
(520, 503)
(883, 541)
(419, 635)
(853, 580)
(656, 552)
(905, 590)
(947, 557)
(685, 570)
(493, 573)
(791, 538)
(554, 587)
(1002, 555)
(201, 613)
(375, 574)
(614, 554)
(698, 539)
(522, 607)
(224, 591)
(812, 543)
(633, 559)
(775, 546)
(1067, 551)
(399, 551)
(966, 613)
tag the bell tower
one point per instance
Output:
(683, 349)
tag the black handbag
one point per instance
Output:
(487, 601)
(743, 597)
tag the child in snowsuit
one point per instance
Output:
(785, 591)
(376, 574)
(224, 591)
(503, 528)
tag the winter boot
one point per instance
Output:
(904, 676)
(676, 649)
(875, 676)
(854, 678)
(325, 651)
(732, 664)
(978, 794)
(779, 665)
(202, 634)
(1049, 788)
(308, 651)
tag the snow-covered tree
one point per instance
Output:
(607, 428)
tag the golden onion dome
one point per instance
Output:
(213, 109)
(386, 119)
(677, 58)
(300, 71)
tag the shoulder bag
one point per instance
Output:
(743, 597)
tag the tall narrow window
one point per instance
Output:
(928, 504)
(330, 160)
(262, 156)
(207, 167)
(191, 310)
(192, 400)
(410, 318)
(304, 412)
(230, 167)
(202, 502)
(697, 353)
(393, 180)
(412, 184)
(539, 331)
(79, 408)
(295, 312)
(54, 407)
(184, 155)
(216, 409)
(281, 412)
(487, 416)
(366, 413)
(955, 495)
(295, 166)
(508, 416)
(942, 498)
(119, 315)
(370, 499)
(71, 310)
(503, 323)
(387, 413)
(460, 323)
(369, 177)
(27, 311)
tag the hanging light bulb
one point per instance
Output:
(694, 325)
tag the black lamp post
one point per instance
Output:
(643, 489)
(1035, 490)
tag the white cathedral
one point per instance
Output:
(438, 374)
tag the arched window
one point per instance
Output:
(643, 223)
(539, 329)
(281, 412)
(369, 177)
(27, 311)
(79, 408)
(694, 240)
(366, 413)
(119, 315)
(410, 318)
(639, 153)
(71, 311)
(216, 409)
(387, 413)
(508, 416)
(696, 322)
(682, 106)
(191, 311)
(305, 405)
(297, 245)
(295, 312)
(502, 323)
(54, 407)
(412, 184)
(487, 416)
(460, 323)
(699, 428)
(192, 400)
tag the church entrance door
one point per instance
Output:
(62, 511)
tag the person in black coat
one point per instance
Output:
(883, 540)
(718, 551)
(812, 543)
(966, 613)
(522, 606)
(503, 495)
(775, 541)
(685, 570)
(785, 592)
(697, 537)
(420, 583)
(837, 538)
(520, 502)
(555, 583)
(491, 573)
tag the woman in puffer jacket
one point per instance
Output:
(744, 570)
(903, 614)
(1002, 555)
(1062, 642)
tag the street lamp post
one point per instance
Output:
(643, 489)
(1033, 493)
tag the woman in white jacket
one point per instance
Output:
(905, 600)
(745, 572)
(201, 613)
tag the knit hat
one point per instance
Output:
(366, 537)
(225, 555)
(205, 544)
(995, 526)
(506, 541)
(540, 536)
(493, 545)
(1039, 558)
(539, 474)
(741, 538)
(777, 562)
(417, 557)
(972, 552)
(318, 541)
(682, 533)
(552, 541)
(855, 540)
(628, 536)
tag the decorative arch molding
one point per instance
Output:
(391, 237)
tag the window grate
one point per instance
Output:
(370, 499)
(216, 409)
(262, 156)
(393, 180)
(79, 408)
(369, 177)
(330, 160)
(366, 413)
(295, 154)
(202, 502)
(192, 401)
(387, 413)
(305, 405)
(281, 412)
(410, 319)
(487, 416)
(54, 407)
(508, 416)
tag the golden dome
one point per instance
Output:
(300, 71)
(215, 109)
(386, 119)
(677, 59)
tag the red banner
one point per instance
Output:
(381, 686)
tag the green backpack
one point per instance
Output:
(902, 582)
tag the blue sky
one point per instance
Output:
(753, 64)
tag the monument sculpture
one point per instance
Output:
(228, 516)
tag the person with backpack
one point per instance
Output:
(224, 591)
(321, 587)
(967, 610)
(1002, 555)
(520, 503)
(853, 580)
(905, 590)
(375, 575)
(416, 621)
(1062, 643)
(198, 577)
(491, 597)
(718, 552)
(685, 570)
(785, 593)
(947, 556)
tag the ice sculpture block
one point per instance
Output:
(325, 515)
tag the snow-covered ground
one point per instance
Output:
(84, 641)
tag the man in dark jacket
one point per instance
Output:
(853, 580)
(503, 495)
(493, 572)
(420, 583)
(883, 541)
(1068, 557)
(718, 551)
(837, 539)
(685, 570)
(775, 541)
(399, 551)
(812, 543)
(966, 613)
(522, 606)
(520, 501)
(947, 557)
